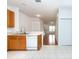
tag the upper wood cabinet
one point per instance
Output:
(10, 18)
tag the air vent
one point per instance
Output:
(38, 0)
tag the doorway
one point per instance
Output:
(50, 36)
(51, 39)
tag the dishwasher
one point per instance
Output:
(31, 42)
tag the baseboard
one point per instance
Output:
(17, 50)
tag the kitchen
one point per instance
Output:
(39, 29)
(18, 38)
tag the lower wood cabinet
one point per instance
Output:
(19, 42)
(39, 42)
(16, 42)
(12, 42)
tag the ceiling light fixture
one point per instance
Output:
(38, 15)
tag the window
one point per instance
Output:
(51, 28)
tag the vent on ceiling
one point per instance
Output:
(38, 0)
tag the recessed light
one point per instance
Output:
(38, 15)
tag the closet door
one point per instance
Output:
(65, 31)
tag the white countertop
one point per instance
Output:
(34, 33)
(27, 33)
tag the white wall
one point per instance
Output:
(65, 12)
(41, 26)
(30, 23)
(65, 26)
(37, 24)
(16, 26)
(65, 32)
(24, 21)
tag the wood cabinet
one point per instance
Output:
(16, 42)
(12, 42)
(46, 39)
(22, 42)
(10, 18)
(39, 41)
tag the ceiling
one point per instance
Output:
(47, 9)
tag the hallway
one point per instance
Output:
(46, 52)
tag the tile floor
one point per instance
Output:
(46, 52)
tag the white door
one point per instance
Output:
(65, 32)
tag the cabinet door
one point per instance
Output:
(10, 18)
(12, 42)
(21, 42)
(39, 41)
